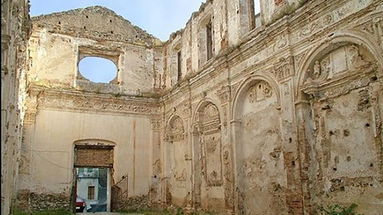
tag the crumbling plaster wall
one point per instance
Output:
(266, 100)
(94, 31)
(51, 149)
(275, 53)
(60, 120)
(63, 106)
(15, 30)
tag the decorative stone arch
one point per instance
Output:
(202, 104)
(337, 89)
(174, 120)
(210, 166)
(348, 36)
(257, 136)
(246, 85)
(177, 159)
(207, 119)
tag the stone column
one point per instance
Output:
(196, 176)
(165, 175)
(235, 126)
(290, 148)
(227, 152)
(302, 113)
(155, 160)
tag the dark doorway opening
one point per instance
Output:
(91, 189)
(93, 165)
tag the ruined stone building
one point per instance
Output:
(237, 113)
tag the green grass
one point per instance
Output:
(162, 212)
(146, 212)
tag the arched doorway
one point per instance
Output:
(93, 162)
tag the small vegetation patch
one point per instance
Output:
(177, 211)
(339, 210)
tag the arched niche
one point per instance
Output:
(260, 172)
(208, 164)
(341, 83)
(336, 39)
(177, 162)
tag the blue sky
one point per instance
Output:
(97, 69)
(158, 17)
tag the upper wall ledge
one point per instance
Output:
(95, 22)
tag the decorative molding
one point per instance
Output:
(334, 16)
(260, 91)
(224, 94)
(156, 123)
(175, 132)
(298, 59)
(372, 26)
(91, 102)
(283, 68)
(345, 59)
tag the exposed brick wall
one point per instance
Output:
(29, 201)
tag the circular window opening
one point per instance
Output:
(98, 69)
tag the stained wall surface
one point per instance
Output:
(95, 32)
(238, 113)
(50, 149)
(299, 102)
(15, 30)
(64, 107)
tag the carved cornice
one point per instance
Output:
(80, 101)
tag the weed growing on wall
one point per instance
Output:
(339, 210)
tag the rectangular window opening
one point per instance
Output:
(209, 41)
(256, 21)
(254, 13)
(179, 67)
(91, 192)
(256, 6)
